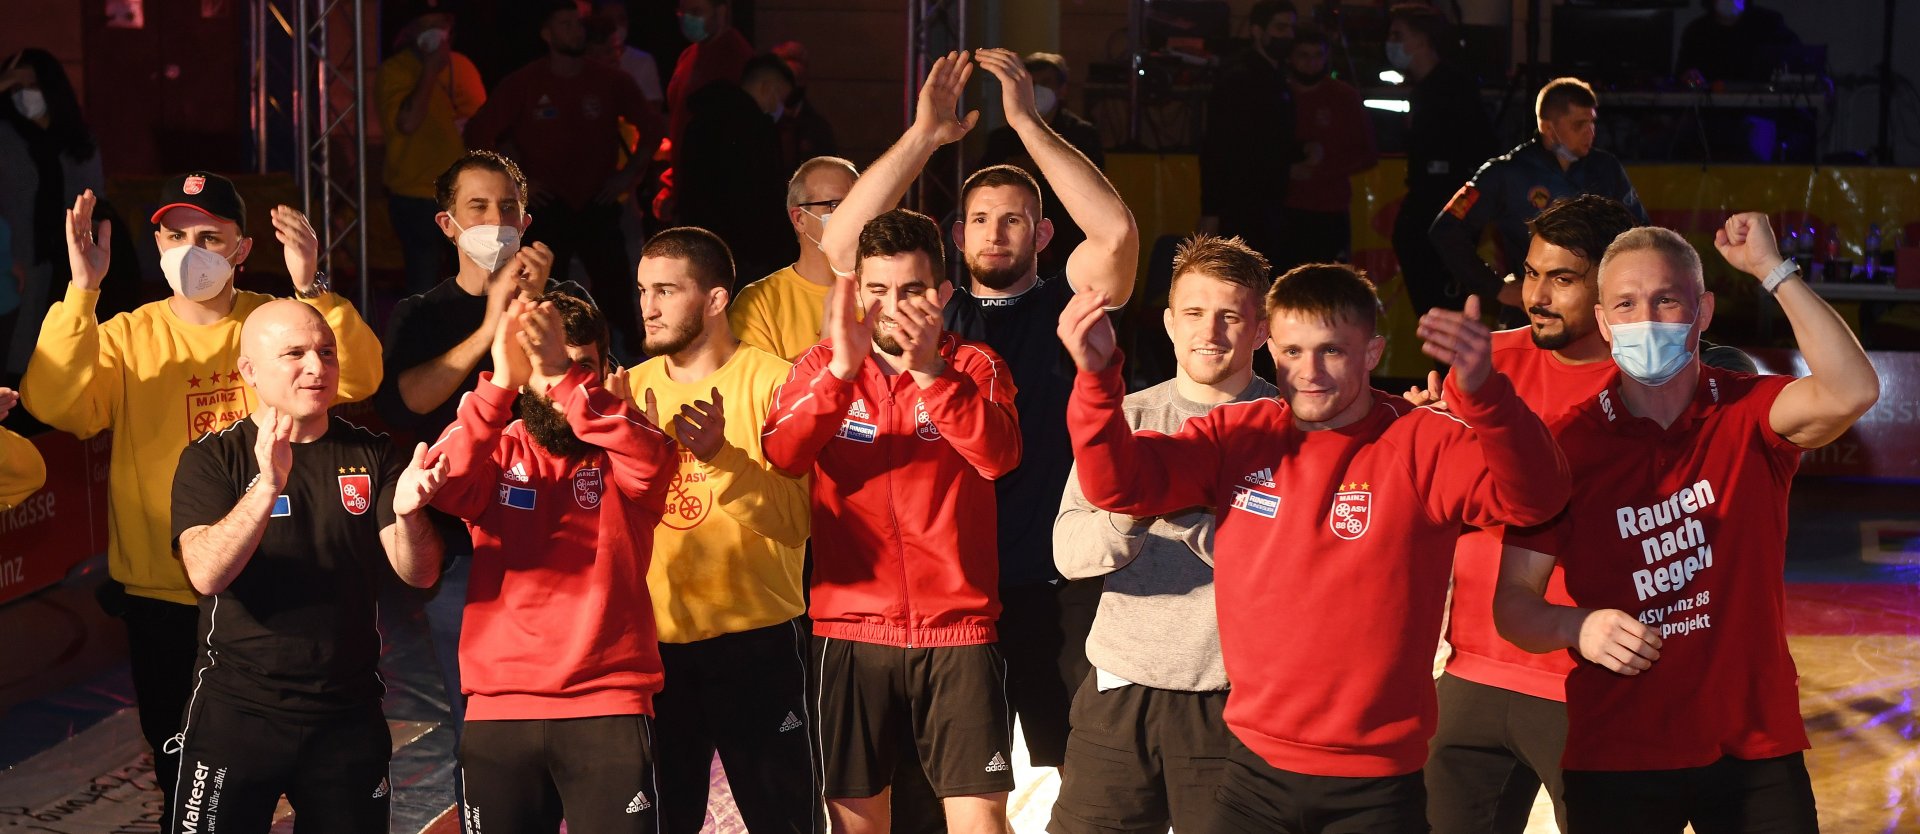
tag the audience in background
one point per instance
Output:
(1336, 138)
(1249, 146)
(730, 175)
(425, 93)
(804, 132)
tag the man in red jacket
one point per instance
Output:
(1338, 508)
(557, 651)
(904, 427)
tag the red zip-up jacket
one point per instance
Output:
(558, 622)
(1332, 552)
(904, 549)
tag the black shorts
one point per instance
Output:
(1258, 798)
(1760, 796)
(1490, 754)
(949, 702)
(1043, 635)
(236, 763)
(525, 776)
(744, 696)
(1141, 759)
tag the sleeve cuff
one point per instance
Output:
(81, 299)
(493, 399)
(1493, 394)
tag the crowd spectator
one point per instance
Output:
(1336, 137)
(425, 92)
(716, 52)
(730, 177)
(1734, 41)
(1249, 147)
(637, 63)
(781, 313)
(804, 132)
(559, 117)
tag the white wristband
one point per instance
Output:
(1779, 274)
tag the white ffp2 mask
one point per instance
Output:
(195, 272)
(487, 246)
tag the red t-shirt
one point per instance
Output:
(1684, 528)
(1549, 387)
(1330, 562)
(564, 132)
(1330, 115)
(720, 59)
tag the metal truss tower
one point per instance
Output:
(934, 28)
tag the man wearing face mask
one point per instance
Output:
(1682, 707)
(1004, 147)
(438, 343)
(804, 131)
(781, 313)
(159, 377)
(1559, 161)
(1249, 144)
(729, 176)
(426, 93)
(715, 52)
(561, 117)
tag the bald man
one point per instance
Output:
(285, 521)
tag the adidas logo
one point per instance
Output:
(792, 723)
(998, 764)
(518, 473)
(858, 410)
(639, 803)
(381, 789)
(1263, 478)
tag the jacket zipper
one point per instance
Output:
(893, 515)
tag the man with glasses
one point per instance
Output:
(781, 313)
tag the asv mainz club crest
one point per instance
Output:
(1352, 510)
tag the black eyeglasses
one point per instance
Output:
(830, 204)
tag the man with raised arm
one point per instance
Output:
(160, 377)
(1684, 706)
(1006, 304)
(1338, 509)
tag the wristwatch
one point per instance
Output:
(321, 286)
(1780, 274)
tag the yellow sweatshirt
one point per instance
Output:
(159, 383)
(22, 471)
(780, 314)
(728, 551)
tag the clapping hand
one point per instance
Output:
(419, 482)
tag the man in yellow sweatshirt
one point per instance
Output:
(159, 377)
(781, 313)
(726, 572)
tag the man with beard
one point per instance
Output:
(903, 426)
(1559, 161)
(1683, 706)
(559, 117)
(1147, 722)
(726, 574)
(1007, 305)
(1337, 506)
(125, 375)
(557, 653)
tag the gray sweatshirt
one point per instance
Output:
(1156, 624)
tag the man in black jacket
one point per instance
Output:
(1249, 147)
(730, 178)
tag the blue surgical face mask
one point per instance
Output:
(1397, 55)
(1652, 352)
(693, 27)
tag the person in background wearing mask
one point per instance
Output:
(22, 471)
(1682, 707)
(426, 92)
(804, 131)
(730, 175)
(1559, 161)
(1004, 147)
(47, 157)
(1733, 40)
(160, 377)
(781, 313)
(1448, 133)
(1336, 136)
(637, 63)
(439, 342)
(1249, 147)
(561, 117)
(715, 52)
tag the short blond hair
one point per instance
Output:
(1666, 242)
(1562, 93)
(797, 187)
